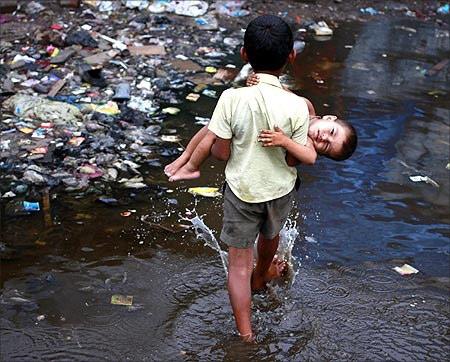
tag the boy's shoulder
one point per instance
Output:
(250, 91)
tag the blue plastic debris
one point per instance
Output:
(444, 9)
(31, 206)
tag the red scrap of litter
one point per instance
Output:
(56, 27)
(39, 150)
(43, 63)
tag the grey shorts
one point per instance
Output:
(243, 221)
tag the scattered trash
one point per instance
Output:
(425, 179)
(119, 299)
(191, 8)
(144, 84)
(34, 107)
(448, 166)
(76, 141)
(101, 57)
(438, 67)
(56, 87)
(33, 7)
(40, 317)
(111, 108)
(207, 22)
(92, 76)
(205, 191)
(89, 171)
(122, 92)
(226, 74)
(108, 6)
(115, 43)
(81, 37)
(137, 4)
(231, 8)
(405, 28)
(147, 50)
(322, 29)
(134, 183)
(406, 269)
(193, 97)
(202, 120)
(210, 70)
(444, 9)
(108, 200)
(437, 93)
(369, 10)
(168, 138)
(143, 105)
(31, 206)
(209, 93)
(171, 110)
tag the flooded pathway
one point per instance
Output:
(358, 219)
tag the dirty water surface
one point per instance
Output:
(357, 220)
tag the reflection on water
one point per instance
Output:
(358, 219)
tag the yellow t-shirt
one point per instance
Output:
(255, 173)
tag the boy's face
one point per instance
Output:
(327, 135)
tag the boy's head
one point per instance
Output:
(333, 137)
(268, 43)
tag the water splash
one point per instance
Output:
(204, 233)
(288, 235)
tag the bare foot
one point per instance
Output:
(172, 168)
(276, 270)
(187, 172)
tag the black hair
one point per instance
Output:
(268, 40)
(349, 144)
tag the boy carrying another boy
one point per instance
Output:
(259, 191)
(260, 185)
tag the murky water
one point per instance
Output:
(358, 219)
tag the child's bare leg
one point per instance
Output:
(173, 167)
(191, 169)
(268, 266)
(240, 265)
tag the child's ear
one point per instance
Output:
(244, 56)
(291, 56)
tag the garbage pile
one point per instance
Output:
(86, 91)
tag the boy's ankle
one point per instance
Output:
(248, 337)
(191, 167)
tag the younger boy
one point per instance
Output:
(327, 136)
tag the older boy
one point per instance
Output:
(260, 184)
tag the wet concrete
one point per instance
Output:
(358, 219)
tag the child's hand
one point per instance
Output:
(253, 79)
(275, 138)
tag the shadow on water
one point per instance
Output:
(359, 219)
